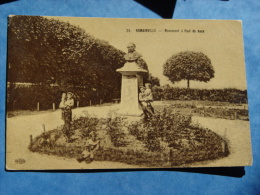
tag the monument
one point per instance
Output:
(132, 77)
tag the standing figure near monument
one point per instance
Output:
(142, 101)
(145, 99)
(149, 98)
(68, 115)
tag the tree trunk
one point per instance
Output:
(188, 83)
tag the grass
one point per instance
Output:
(210, 109)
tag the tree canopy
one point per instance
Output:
(48, 51)
(42, 50)
(188, 65)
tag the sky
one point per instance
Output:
(220, 40)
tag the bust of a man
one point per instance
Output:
(132, 55)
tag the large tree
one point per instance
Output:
(42, 50)
(48, 51)
(188, 65)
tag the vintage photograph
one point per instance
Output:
(103, 93)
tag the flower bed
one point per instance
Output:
(166, 140)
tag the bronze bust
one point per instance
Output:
(132, 55)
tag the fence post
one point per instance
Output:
(38, 106)
(90, 102)
(77, 104)
(100, 101)
(53, 106)
(235, 116)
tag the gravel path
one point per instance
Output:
(238, 135)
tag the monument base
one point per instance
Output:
(128, 111)
(131, 77)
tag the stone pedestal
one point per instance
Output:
(131, 79)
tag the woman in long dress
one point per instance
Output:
(62, 105)
(69, 103)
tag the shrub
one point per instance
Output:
(115, 127)
(85, 125)
(164, 126)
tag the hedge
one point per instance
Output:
(26, 97)
(223, 95)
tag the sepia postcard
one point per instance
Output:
(103, 93)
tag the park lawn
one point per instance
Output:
(212, 109)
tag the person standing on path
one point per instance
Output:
(69, 103)
(62, 105)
